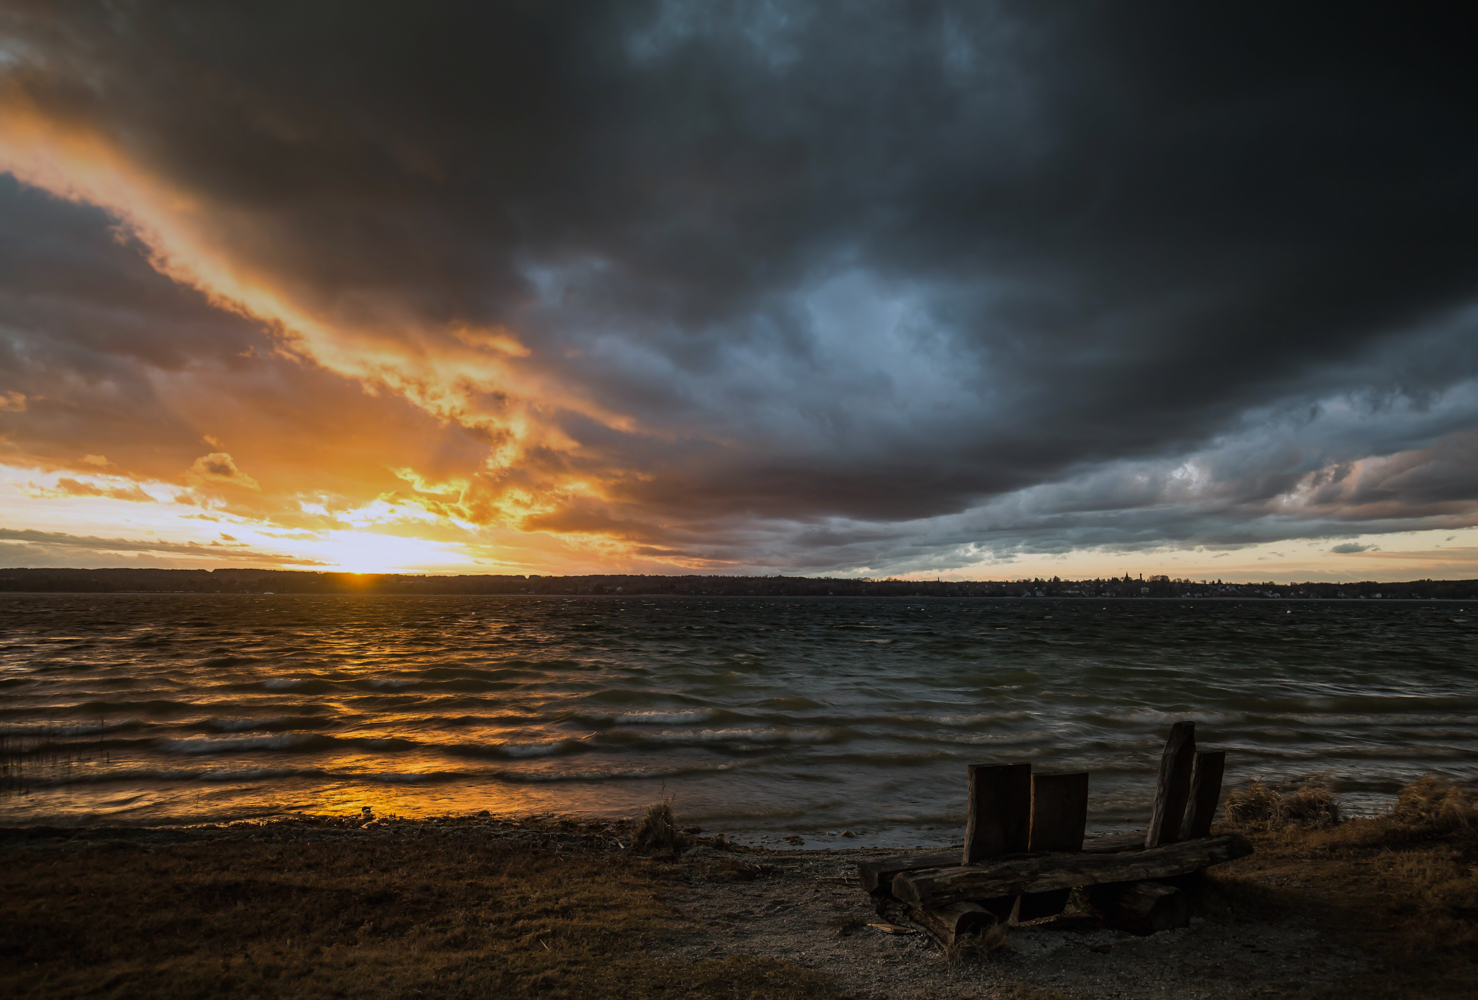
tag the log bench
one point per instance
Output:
(1025, 852)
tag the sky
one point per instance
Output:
(963, 290)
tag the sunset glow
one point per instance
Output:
(357, 327)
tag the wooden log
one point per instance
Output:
(1040, 872)
(1205, 793)
(1116, 842)
(949, 923)
(1141, 907)
(1173, 786)
(1059, 817)
(998, 811)
(877, 875)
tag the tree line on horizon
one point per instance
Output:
(258, 581)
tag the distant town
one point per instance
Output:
(257, 581)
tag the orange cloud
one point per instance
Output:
(77, 488)
(219, 468)
(477, 378)
(455, 371)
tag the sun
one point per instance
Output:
(369, 552)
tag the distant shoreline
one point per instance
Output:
(254, 581)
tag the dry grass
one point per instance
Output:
(1403, 885)
(1429, 803)
(1429, 807)
(360, 917)
(1256, 807)
(658, 832)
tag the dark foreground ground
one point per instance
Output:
(480, 907)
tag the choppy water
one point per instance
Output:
(762, 716)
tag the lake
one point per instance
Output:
(762, 717)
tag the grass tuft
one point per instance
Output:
(1257, 807)
(658, 832)
(1436, 805)
(1311, 805)
(1254, 806)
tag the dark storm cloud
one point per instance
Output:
(57, 548)
(115, 361)
(84, 319)
(860, 264)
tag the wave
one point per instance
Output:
(601, 774)
(650, 716)
(404, 777)
(469, 721)
(147, 775)
(519, 749)
(255, 774)
(294, 684)
(239, 744)
(790, 704)
(83, 732)
(463, 673)
(961, 721)
(738, 738)
(274, 724)
(229, 661)
(153, 706)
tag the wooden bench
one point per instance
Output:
(1025, 851)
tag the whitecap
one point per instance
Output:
(759, 735)
(649, 717)
(240, 725)
(229, 744)
(542, 748)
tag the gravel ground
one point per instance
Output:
(807, 907)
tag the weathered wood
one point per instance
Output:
(1059, 812)
(998, 811)
(1059, 817)
(1116, 842)
(1141, 907)
(878, 874)
(1205, 793)
(1040, 872)
(1173, 786)
(949, 923)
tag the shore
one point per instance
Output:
(491, 907)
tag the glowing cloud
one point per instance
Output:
(219, 468)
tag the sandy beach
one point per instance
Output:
(484, 906)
